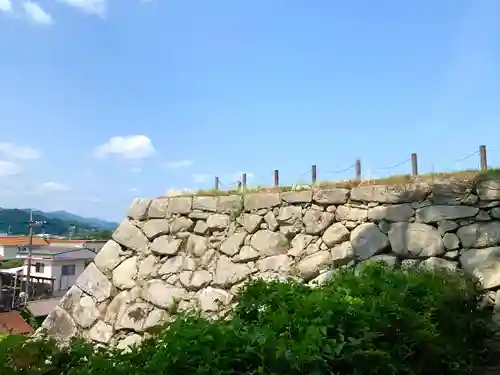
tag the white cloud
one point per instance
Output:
(132, 190)
(6, 6)
(128, 147)
(178, 164)
(136, 170)
(201, 177)
(96, 7)
(53, 187)
(36, 13)
(9, 168)
(19, 152)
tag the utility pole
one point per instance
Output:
(30, 252)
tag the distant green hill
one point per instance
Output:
(68, 216)
(15, 221)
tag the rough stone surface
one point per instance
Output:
(182, 253)
(415, 239)
(367, 240)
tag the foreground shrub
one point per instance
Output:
(381, 321)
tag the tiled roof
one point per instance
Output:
(21, 241)
(13, 322)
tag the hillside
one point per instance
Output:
(15, 221)
(94, 222)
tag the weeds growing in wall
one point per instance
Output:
(381, 321)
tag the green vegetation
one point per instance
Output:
(406, 321)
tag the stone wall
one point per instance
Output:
(178, 253)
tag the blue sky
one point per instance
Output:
(102, 100)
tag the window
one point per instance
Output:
(68, 270)
(39, 267)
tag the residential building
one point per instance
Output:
(58, 264)
(10, 245)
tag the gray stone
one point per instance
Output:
(489, 190)
(199, 279)
(483, 216)
(299, 244)
(257, 201)
(205, 204)
(397, 212)
(480, 235)
(181, 224)
(110, 256)
(200, 227)
(218, 221)
(247, 254)
(250, 222)
(101, 332)
(179, 205)
(196, 245)
(125, 274)
(131, 237)
(148, 267)
(297, 197)
(410, 263)
(129, 342)
(342, 254)
(331, 196)
(495, 212)
(161, 294)
(438, 263)
(434, 214)
(289, 215)
(212, 299)
(155, 318)
(94, 283)
(351, 214)
(335, 234)
(450, 193)
(451, 241)
(156, 227)
(271, 221)
(158, 208)
(415, 239)
(80, 306)
(322, 278)
(138, 210)
(232, 244)
(381, 194)
(484, 264)
(166, 245)
(133, 316)
(451, 255)
(445, 226)
(269, 243)
(367, 240)
(229, 204)
(316, 222)
(276, 263)
(228, 273)
(60, 326)
(310, 266)
(176, 264)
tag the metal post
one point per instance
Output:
(358, 170)
(313, 173)
(276, 178)
(482, 155)
(217, 182)
(414, 164)
(244, 181)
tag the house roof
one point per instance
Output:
(21, 241)
(42, 307)
(59, 252)
(13, 322)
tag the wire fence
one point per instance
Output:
(407, 169)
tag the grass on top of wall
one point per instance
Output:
(404, 181)
(381, 321)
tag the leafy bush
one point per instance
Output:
(381, 321)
